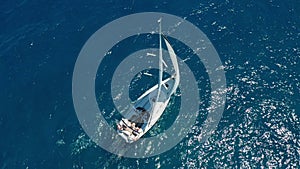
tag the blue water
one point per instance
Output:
(259, 46)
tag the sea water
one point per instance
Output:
(258, 44)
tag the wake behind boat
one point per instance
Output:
(148, 108)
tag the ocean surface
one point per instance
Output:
(258, 43)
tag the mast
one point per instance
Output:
(160, 64)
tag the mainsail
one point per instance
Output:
(149, 107)
(162, 97)
(175, 65)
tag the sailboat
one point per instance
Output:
(150, 105)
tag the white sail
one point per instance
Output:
(175, 65)
(149, 107)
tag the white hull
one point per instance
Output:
(145, 108)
